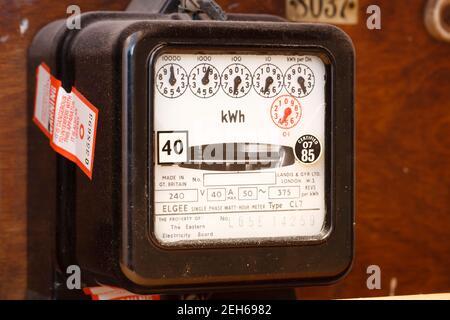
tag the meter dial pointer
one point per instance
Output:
(287, 113)
(301, 82)
(269, 81)
(237, 82)
(205, 79)
(172, 79)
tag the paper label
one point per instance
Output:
(47, 88)
(74, 129)
(67, 118)
(113, 293)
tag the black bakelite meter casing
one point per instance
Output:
(105, 224)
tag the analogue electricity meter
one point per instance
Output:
(223, 151)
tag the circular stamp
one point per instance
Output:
(286, 112)
(308, 149)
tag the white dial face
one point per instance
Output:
(268, 80)
(171, 80)
(236, 80)
(242, 160)
(299, 80)
(204, 80)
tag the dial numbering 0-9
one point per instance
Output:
(204, 80)
(236, 80)
(268, 80)
(299, 80)
(286, 112)
(171, 80)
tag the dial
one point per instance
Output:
(299, 80)
(286, 112)
(236, 80)
(204, 80)
(171, 80)
(268, 80)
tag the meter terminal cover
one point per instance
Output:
(105, 225)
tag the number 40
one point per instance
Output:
(177, 147)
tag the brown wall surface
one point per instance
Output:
(402, 145)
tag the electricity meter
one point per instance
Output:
(223, 152)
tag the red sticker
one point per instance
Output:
(47, 88)
(69, 120)
(113, 293)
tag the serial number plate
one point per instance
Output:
(239, 147)
(325, 11)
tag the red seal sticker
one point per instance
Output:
(68, 119)
(286, 112)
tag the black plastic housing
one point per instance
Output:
(102, 224)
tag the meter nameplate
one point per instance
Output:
(239, 147)
(323, 11)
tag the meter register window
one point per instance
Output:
(239, 147)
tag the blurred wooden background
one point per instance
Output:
(403, 145)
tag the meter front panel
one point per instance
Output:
(239, 147)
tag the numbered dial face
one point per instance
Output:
(268, 80)
(204, 80)
(171, 80)
(299, 80)
(236, 158)
(236, 80)
(286, 112)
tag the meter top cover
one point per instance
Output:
(224, 153)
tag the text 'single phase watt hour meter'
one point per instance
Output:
(223, 152)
